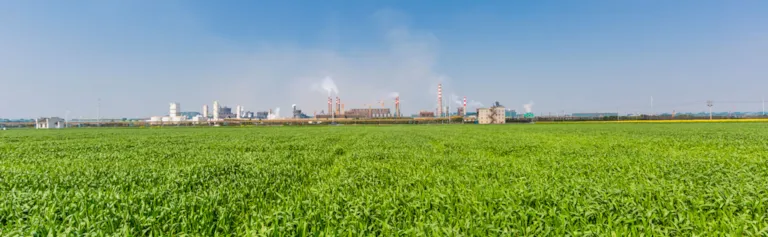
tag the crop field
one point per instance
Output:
(436, 180)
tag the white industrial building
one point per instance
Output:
(493, 115)
(52, 122)
(174, 115)
(175, 110)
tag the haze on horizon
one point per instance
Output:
(572, 56)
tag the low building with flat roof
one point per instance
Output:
(52, 122)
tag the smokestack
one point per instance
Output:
(205, 111)
(342, 109)
(439, 100)
(338, 105)
(465, 106)
(397, 107)
(330, 105)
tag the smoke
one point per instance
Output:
(394, 95)
(329, 86)
(528, 107)
(293, 106)
(475, 104)
(456, 100)
(275, 115)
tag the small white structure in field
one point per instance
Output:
(52, 122)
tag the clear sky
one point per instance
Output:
(572, 56)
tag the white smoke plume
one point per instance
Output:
(528, 107)
(327, 85)
(275, 115)
(394, 95)
(475, 104)
(457, 100)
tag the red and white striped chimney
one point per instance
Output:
(338, 105)
(397, 106)
(439, 100)
(465, 105)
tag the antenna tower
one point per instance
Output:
(709, 104)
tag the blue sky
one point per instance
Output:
(572, 56)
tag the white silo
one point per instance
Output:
(205, 111)
(175, 110)
(216, 110)
(239, 111)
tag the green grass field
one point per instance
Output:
(578, 179)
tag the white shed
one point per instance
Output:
(52, 122)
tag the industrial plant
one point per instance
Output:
(336, 112)
(377, 112)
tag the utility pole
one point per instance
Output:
(98, 113)
(66, 119)
(709, 104)
(653, 112)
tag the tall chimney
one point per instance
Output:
(397, 107)
(338, 105)
(439, 100)
(342, 109)
(465, 106)
(330, 105)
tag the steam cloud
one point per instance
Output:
(528, 107)
(394, 95)
(457, 100)
(329, 86)
(275, 115)
(474, 104)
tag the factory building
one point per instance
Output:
(511, 113)
(493, 115)
(174, 115)
(52, 122)
(369, 113)
(426, 114)
(262, 115)
(297, 114)
(226, 112)
(175, 110)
